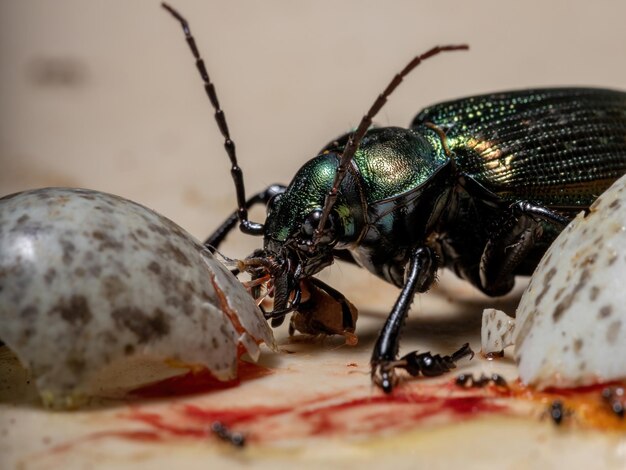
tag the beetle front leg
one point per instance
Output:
(419, 275)
(217, 237)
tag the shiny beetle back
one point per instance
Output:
(561, 147)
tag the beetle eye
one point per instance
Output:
(312, 221)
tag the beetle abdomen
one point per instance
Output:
(561, 147)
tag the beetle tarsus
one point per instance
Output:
(415, 363)
(462, 352)
(430, 365)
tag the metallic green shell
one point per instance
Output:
(305, 193)
(560, 147)
(392, 161)
(391, 165)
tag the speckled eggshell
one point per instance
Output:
(496, 332)
(571, 321)
(88, 279)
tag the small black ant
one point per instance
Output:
(468, 380)
(237, 439)
(558, 412)
(614, 397)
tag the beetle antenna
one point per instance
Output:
(355, 139)
(246, 226)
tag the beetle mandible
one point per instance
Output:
(480, 185)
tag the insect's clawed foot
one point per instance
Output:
(384, 376)
(429, 365)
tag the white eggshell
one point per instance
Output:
(88, 279)
(497, 331)
(571, 321)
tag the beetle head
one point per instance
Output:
(292, 219)
(293, 216)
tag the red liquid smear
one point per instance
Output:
(316, 417)
(233, 417)
(398, 411)
(201, 381)
(593, 388)
(143, 436)
(139, 435)
(409, 407)
(325, 416)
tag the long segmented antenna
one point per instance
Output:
(246, 226)
(355, 139)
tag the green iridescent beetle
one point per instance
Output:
(480, 185)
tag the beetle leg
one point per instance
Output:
(511, 242)
(217, 237)
(430, 365)
(419, 275)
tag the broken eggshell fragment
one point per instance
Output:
(496, 332)
(88, 280)
(571, 320)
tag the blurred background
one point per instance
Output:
(105, 95)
